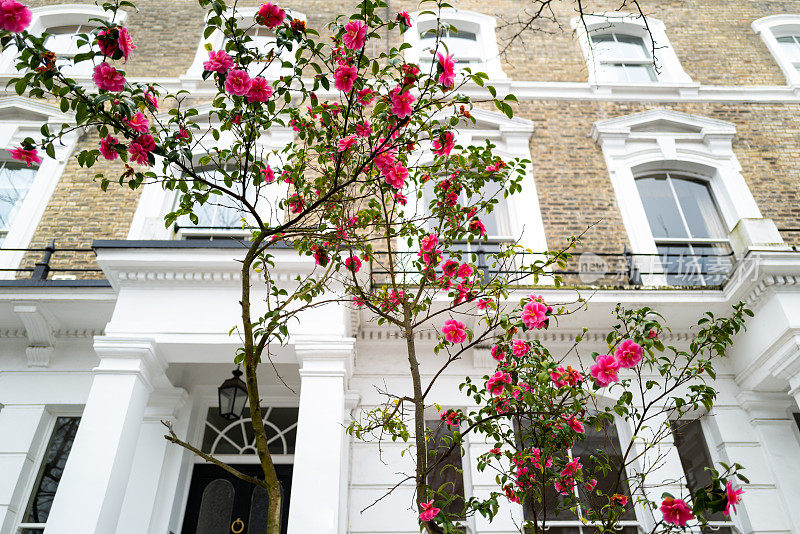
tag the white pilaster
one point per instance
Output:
(325, 367)
(150, 465)
(22, 431)
(90, 495)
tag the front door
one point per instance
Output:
(220, 503)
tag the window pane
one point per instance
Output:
(640, 73)
(694, 455)
(221, 211)
(619, 47)
(693, 264)
(51, 470)
(660, 207)
(613, 72)
(447, 476)
(790, 48)
(15, 182)
(631, 47)
(699, 208)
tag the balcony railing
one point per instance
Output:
(54, 264)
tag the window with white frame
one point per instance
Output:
(781, 34)
(696, 460)
(627, 49)
(16, 180)
(263, 39)
(680, 191)
(49, 475)
(64, 23)
(468, 36)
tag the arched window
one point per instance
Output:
(623, 58)
(687, 228)
(781, 34)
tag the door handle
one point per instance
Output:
(237, 526)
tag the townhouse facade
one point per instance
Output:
(683, 173)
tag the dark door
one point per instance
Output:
(220, 503)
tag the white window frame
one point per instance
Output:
(246, 17)
(669, 140)
(23, 118)
(484, 26)
(770, 29)
(667, 66)
(60, 15)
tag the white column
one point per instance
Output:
(325, 367)
(22, 433)
(149, 464)
(92, 488)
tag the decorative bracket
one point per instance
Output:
(39, 330)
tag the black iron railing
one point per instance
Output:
(43, 269)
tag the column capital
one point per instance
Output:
(130, 356)
(325, 356)
(765, 406)
(164, 403)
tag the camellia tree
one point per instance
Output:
(373, 177)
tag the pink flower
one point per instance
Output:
(363, 129)
(270, 15)
(589, 486)
(519, 348)
(429, 511)
(400, 198)
(108, 46)
(321, 256)
(618, 500)
(347, 142)
(628, 354)
(450, 268)
(151, 99)
(260, 90)
(497, 382)
(107, 147)
(604, 370)
(446, 69)
(358, 301)
(402, 102)
(429, 242)
(534, 315)
(14, 17)
(497, 353)
(396, 176)
(565, 377)
(107, 78)
(465, 271)
(652, 334)
(138, 154)
(26, 156)
(353, 263)
(477, 227)
(147, 142)
(564, 486)
(218, 61)
(676, 511)
(183, 133)
(138, 122)
(344, 77)
(238, 82)
(125, 43)
(403, 19)
(269, 175)
(355, 35)
(444, 144)
(365, 97)
(484, 303)
(571, 468)
(495, 451)
(454, 331)
(733, 497)
(574, 424)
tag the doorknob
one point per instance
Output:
(237, 526)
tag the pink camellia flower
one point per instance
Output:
(495, 451)
(107, 147)
(321, 257)
(138, 122)
(444, 144)
(403, 19)
(14, 17)
(676, 511)
(365, 97)
(429, 242)
(604, 370)
(353, 263)
(628, 354)
(107, 78)
(465, 271)
(497, 382)
(402, 102)
(363, 129)
(347, 142)
(446, 69)
(571, 468)
(238, 82)
(358, 301)
(125, 43)
(269, 175)
(477, 227)
(400, 198)
(355, 35)
(589, 485)
(151, 99)
(344, 77)
(270, 15)
(25, 156)
(260, 90)
(564, 486)
(652, 334)
(450, 268)
(534, 315)
(574, 424)
(138, 154)
(108, 46)
(733, 498)
(484, 303)
(454, 331)
(183, 134)
(147, 142)
(396, 176)
(519, 348)
(218, 61)
(429, 511)
(618, 500)
(497, 353)
(565, 377)
(296, 203)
